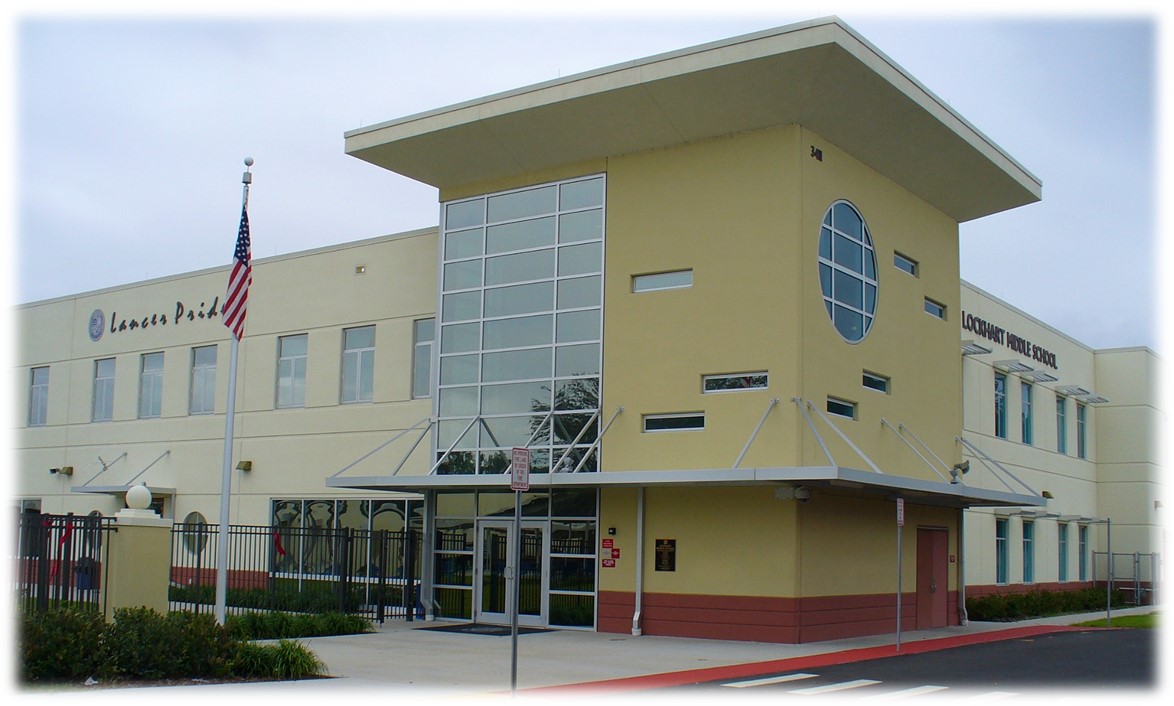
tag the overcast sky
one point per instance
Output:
(130, 131)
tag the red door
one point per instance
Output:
(932, 577)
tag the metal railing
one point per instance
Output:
(1137, 574)
(61, 560)
(374, 573)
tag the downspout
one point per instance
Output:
(636, 630)
(963, 618)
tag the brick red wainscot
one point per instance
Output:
(762, 619)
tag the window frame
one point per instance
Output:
(202, 382)
(935, 308)
(1026, 417)
(831, 233)
(1001, 550)
(851, 407)
(1028, 551)
(151, 385)
(1081, 430)
(294, 375)
(422, 349)
(1082, 548)
(1062, 550)
(645, 419)
(358, 362)
(651, 282)
(906, 264)
(1000, 405)
(102, 399)
(1062, 424)
(38, 412)
(751, 377)
(882, 385)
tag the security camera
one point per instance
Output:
(802, 494)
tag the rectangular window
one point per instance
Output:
(905, 264)
(1028, 552)
(872, 381)
(1082, 549)
(1061, 424)
(733, 382)
(1001, 405)
(678, 279)
(151, 386)
(841, 408)
(291, 370)
(1000, 551)
(423, 334)
(692, 421)
(103, 408)
(358, 364)
(1062, 548)
(935, 308)
(1081, 431)
(38, 396)
(203, 397)
(1025, 407)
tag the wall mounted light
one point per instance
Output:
(64, 470)
(959, 469)
(1048, 494)
(245, 466)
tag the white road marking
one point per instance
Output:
(828, 688)
(769, 680)
(903, 693)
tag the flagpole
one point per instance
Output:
(230, 416)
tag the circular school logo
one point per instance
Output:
(97, 324)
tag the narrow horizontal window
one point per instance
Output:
(935, 309)
(905, 264)
(678, 279)
(674, 422)
(841, 408)
(733, 382)
(872, 381)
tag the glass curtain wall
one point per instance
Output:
(520, 328)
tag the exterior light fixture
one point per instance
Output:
(64, 470)
(959, 470)
(1048, 494)
(245, 466)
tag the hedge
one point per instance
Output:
(1037, 604)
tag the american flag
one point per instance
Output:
(236, 303)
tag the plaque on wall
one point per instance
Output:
(666, 555)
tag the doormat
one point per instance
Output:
(482, 629)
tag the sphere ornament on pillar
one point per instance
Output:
(138, 497)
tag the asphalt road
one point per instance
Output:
(1086, 660)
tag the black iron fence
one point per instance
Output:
(307, 570)
(61, 560)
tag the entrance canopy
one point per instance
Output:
(836, 479)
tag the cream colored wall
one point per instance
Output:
(730, 541)
(293, 451)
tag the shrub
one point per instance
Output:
(60, 643)
(292, 660)
(273, 626)
(1035, 604)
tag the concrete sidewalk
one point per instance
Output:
(411, 658)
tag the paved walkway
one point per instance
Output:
(407, 657)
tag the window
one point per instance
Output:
(423, 334)
(519, 335)
(1001, 550)
(1062, 549)
(38, 396)
(1001, 405)
(905, 264)
(841, 408)
(1025, 408)
(691, 421)
(1082, 548)
(358, 364)
(1028, 552)
(935, 309)
(103, 408)
(872, 381)
(733, 382)
(1081, 431)
(1061, 424)
(203, 397)
(847, 271)
(151, 386)
(291, 371)
(678, 279)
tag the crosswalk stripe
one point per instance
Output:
(914, 691)
(988, 696)
(828, 688)
(769, 680)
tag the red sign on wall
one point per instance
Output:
(609, 543)
(609, 563)
(615, 553)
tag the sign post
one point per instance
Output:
(900, 524)
(519, 483)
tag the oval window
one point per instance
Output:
(847, 271)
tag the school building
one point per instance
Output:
(719, 303)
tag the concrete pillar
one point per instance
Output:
(138, 558)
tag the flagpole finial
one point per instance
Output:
(248, 161)
(247, 177)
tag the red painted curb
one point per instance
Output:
(755, 669)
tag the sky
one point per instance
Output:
(129, 132)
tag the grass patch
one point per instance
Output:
(1149, 621)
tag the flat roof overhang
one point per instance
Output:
(842, 479)
(121, 490)
(820, 74)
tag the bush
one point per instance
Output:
(60, 643)
(273, 626)
(1036, 604)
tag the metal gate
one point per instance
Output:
(61, 560)
(375, 573)
(1137, 574)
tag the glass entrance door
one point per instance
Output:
(496, 574)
